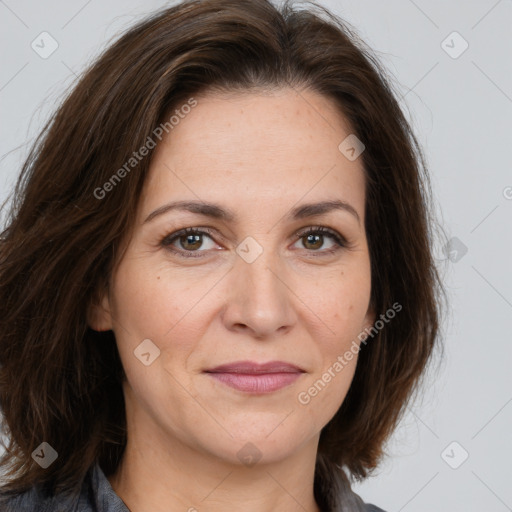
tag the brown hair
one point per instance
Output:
(60, 381)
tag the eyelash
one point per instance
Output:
(167, 241)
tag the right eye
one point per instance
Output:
(190, 240)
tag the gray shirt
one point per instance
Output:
(96, 495)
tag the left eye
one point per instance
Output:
(316, 236)
(191, 240)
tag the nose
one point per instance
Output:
(259, 300)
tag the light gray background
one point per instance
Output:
(461, 109)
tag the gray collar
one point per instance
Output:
(96, 495)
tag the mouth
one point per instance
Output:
(256, 378)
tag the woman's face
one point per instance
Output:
(255, 287)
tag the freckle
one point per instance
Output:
(158, 277)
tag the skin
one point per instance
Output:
(259, 154)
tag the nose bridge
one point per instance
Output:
(260, 273)
(260, 298)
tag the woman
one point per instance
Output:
(217, 282)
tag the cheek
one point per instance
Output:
(152, 305)
(150, 301)
(341, 303)
(172, 309)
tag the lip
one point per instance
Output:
(254, 368)
(256, 378)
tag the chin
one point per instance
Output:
(263, 446)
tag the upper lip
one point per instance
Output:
(251, 367)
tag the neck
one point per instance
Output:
(160, 474)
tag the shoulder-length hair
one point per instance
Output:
(60, 381)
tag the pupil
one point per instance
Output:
(311, 237)
(191, 239)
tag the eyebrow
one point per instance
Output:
(217, 212)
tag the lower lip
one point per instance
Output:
(257, 383)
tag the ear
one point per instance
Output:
(99, 317)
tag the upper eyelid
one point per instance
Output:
(202, 230)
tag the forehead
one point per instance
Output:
(256, 149)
